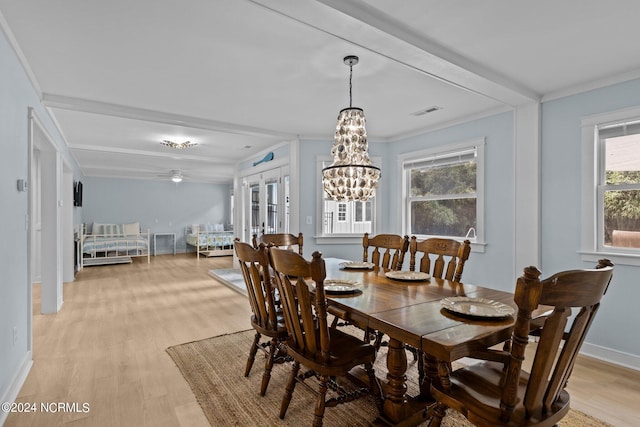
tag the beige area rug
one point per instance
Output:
(214, 368)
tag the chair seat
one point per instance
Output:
(279, 332)
(346, 351)
(478, 386)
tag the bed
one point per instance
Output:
(113, 244)
(210, 240)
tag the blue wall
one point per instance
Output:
(17, 95)
(561, 208)
(498, 133)
(162, 206)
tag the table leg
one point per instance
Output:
(428, 373)
(395, 403)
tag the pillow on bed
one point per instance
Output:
(97, 228)
(108, 230)
(131, 229)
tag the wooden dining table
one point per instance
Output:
(410, 312)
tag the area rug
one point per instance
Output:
(231, 277)
(214, 368)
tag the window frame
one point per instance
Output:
(345, 238)
(594, 187)
(342, 212)
(477, 242)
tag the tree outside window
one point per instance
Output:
(620, 186)
(442, 194)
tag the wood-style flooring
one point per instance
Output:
(106, 348)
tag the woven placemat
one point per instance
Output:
(214, 368)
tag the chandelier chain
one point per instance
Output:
(350, 84)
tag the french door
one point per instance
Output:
(266, 203)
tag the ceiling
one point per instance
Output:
(240, 76)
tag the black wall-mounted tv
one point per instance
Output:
(77, 193)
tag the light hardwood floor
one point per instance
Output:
(106, 347)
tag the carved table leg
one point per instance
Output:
(395, 404)
(439, 410)
(428, 374)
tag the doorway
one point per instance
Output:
(45, 213)
(266, 203)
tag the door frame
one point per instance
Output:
(50, 204)
(289, 162)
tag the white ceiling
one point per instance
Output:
(239, 76)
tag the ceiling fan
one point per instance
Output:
(174, 175)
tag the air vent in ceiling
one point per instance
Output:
(426, 111)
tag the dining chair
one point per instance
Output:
(326, 352)
(265, 318)
(387, 250)
(497, 391)
(442, 258)
(279, 240)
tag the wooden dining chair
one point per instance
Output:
(265, 318)
(279, 240)
(442, 258)
(327, 353)
(497, 391)
(387, 250)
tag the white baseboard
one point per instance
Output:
(16, 384)
(616, 357)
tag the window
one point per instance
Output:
(342, 212)
(443, 192)
(619, 188)
(346, 221)
(363, 211)
(612, 148)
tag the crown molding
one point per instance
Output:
(13, 42)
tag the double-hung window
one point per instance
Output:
(611, 186)
(444, 192)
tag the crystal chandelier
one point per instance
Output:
(351, 176)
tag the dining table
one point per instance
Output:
(408, 308)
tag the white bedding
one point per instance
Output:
(113, 244)
(211, 239)
(125, 244)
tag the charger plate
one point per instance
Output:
(357, 265)
(477, 307)
(413, 276)
(341, 286)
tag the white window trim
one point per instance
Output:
(590, 205)
(344, 239)
(478, 244)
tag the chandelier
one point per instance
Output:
(351, 176)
